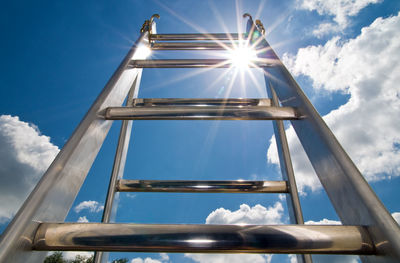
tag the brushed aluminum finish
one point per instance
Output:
(201, 102)
(192, 46)
(204, 238)
(195, 37)
(201, 113)
(187, 186)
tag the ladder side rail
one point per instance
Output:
(293, 202)
(119, 166)
(353, 199)
(55, 193)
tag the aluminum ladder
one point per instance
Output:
(368, 229)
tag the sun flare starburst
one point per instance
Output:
(242, 56)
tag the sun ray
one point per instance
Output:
(260, 8)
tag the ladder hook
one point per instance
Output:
(247, 15)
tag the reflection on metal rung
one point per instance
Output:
(204, 238)
(191, 46)
(238, 186)
(194, 37)
(201, 102)
(201, 113)
(193, 63)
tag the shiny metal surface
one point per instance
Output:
(200, 113)
(201, 102)
(109, 211)
(192, 63)
(238, 186)
(191, 46)
(194, 37)
(353, 199)
(296, 216)
(293, 202)
(54, 194)
(204, 238)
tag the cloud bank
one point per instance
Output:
(25, 155)
(367, 68)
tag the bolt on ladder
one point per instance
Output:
(368, 229)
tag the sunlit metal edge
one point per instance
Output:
(193, 63)
(292, 200)
(191, 186)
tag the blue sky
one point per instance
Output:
(57, 56)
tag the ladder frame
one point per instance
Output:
(352, 197)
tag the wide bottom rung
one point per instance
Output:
(204, 238)
(238, 186)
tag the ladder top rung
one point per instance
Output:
(201, 102)
(201, 113)
(324, 239)
(195, 63)
(192, 46)
(194, 37)
(190, 186)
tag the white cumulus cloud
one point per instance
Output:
(83, 219)
(25, 155)
(92, 206)
(324, 221)
(163, 259)
(223, 258)
(146, 260)
(340, 10)
(367, 68)
(247, 215)
(164, 256)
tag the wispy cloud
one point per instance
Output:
(92, 206)
(341, 11)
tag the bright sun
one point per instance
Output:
(242, 56)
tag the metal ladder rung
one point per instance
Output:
(201, 113)
(204, 238)
(193, 63)
(194, 37)
(192, 46)
(176, 186)
(200, 102)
